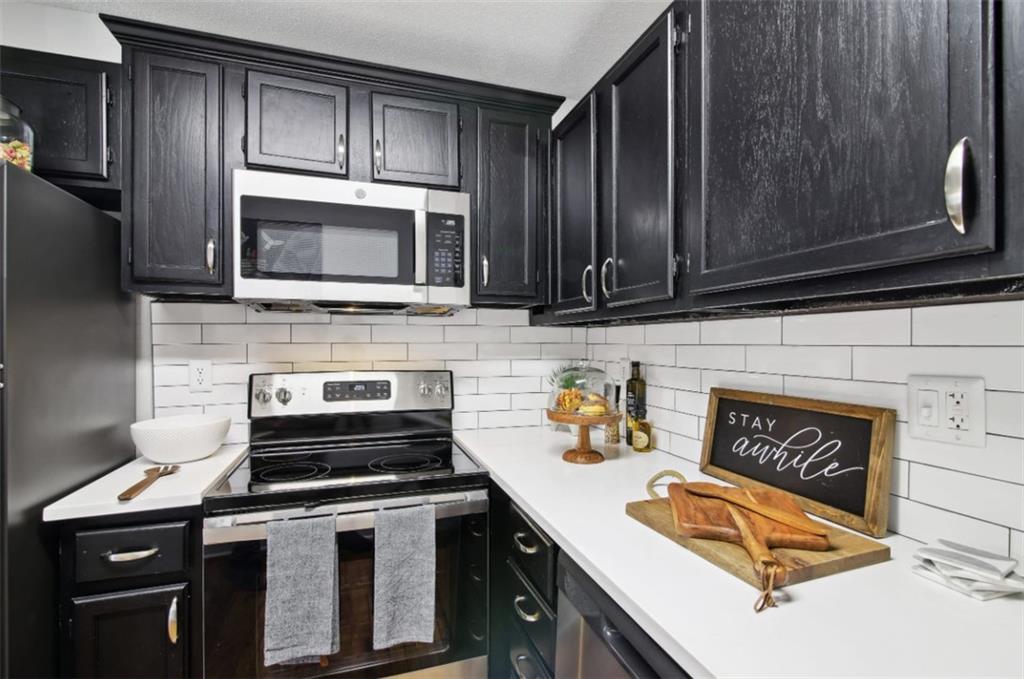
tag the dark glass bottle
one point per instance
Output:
(636, 399)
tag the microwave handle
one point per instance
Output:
(420, 272)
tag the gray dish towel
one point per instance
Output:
(404, 571)
(301, 621)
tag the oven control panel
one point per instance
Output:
(445, 250)
(323, 393)
(369, 390)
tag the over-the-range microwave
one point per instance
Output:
(346, 246)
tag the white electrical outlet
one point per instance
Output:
(949, 409)
(200, 376)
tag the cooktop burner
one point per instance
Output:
(407, 462)
(293, 471)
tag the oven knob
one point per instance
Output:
(284, 396)
(425, 389)
(441, 389)
(263, 395)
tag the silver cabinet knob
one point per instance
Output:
(284, 396)
(263, 395)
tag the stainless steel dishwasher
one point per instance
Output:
(596, 638)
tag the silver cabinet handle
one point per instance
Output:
(485, 267)
(583, 283)
(341, 151)
(420, 264)
(522, 546)
(211, 252)
(378, 156)
(519, 671)
(604, 277)
(172, 621)
(122, 557)
(953, 186)
(523, 615)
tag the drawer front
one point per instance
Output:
(534, 553)
(523, 657)
(533, 616)
(113, 553)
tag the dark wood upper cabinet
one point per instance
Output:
(508, 196)
(415, 140)
(176, 216)
(574, 210)
(296, 124)
(821, 145)
(136, 633)
(71, 105)
(638, 195)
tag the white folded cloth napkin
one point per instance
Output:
(975, 572)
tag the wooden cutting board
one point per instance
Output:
(848, 551)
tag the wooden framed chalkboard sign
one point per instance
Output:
(835, 458)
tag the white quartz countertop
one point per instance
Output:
(184, 488)
(876, 621)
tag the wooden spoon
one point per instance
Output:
(151, 475)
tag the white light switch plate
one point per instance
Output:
(946, 408)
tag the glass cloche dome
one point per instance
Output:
(581, 390)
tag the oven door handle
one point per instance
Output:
(420, 272)
(350, 517)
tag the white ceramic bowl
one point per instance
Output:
(180, 438)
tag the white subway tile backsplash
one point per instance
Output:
(503, 316)
(715, 357)
(879, 327)
(994, 501)
(177, 333)
(1002, 367)
(331, 334)
(765, 330)
(238, 333)
(238, 412)
(928, 524)
(171, 354)
(282, 353)
(672, 333)
(369, 352)
(1017, 550)
(535, 334)
(993, 323)
(408, 333)
(804, 361)
(501, 364)
(202, 312)
(508, 350)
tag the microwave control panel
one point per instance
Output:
(445, 250)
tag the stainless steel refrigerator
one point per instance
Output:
(67, 347)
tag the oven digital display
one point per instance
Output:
(377, 390)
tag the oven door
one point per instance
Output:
(234, 571)
(310, 238)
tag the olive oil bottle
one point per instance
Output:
(636, 399)
(642, 439)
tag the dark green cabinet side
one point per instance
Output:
(135, 633)
(175, 205)
(509, 206)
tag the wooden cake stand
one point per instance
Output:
(583, 453)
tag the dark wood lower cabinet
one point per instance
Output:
(137, 633)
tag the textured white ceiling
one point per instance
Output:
(555, 46)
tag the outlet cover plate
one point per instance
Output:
(200, 376)
(972, 410)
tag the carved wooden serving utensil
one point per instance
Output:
(151, 475)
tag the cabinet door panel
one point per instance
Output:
(415, 140)
(65, 101)
(137, 633)
(176, 215)
(639, 267)
(507, 193)
(296, 124)
(826, 137)
(574, 227)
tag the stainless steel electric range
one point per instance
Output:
(346, 444)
